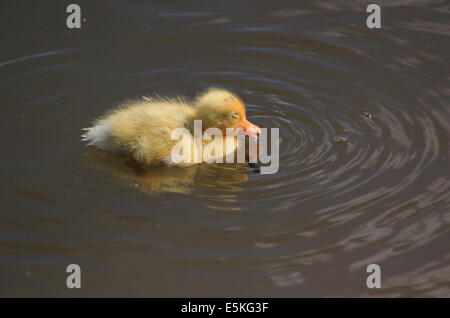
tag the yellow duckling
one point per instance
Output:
(143, 129)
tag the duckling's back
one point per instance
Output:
(141, 128)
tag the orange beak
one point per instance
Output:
(250, 129)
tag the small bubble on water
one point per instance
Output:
(340, 139)
(367, 114)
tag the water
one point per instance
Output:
(352, 189)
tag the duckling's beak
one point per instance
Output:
(251, 130)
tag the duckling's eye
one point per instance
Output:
(234, 115)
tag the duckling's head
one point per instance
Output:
(222, 109)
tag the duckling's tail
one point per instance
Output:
(98, 136)
(84, 137)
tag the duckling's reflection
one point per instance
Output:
(158, 179)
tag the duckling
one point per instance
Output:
(142, 129)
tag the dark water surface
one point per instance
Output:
(311, 68)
